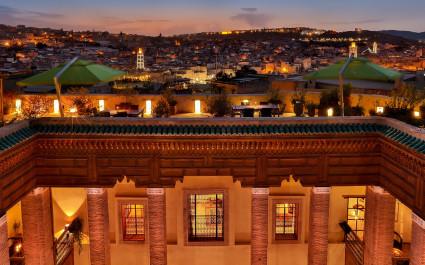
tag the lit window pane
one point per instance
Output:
(286, 221)
(133, 223)
(206, 217)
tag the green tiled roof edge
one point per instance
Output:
(229, 130)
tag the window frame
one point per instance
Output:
(130, 200)
(186, 216)
(355, 229)
(299, 223)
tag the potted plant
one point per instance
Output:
(220, 105)
(172, 102)
(83, 104)
(162, 109)
(298, 101)
(311, 109)
(76, 229)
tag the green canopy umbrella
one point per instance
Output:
(353, 69)
(357, 69)
(75, 72)
(81, 72)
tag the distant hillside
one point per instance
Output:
(406, 34)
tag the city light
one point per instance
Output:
(18, 106)
(417, 114)
(73, 110)
(330, 112)
(380, 110)
(198, 106)
(55, 106)
(101, 105)
(148, 107)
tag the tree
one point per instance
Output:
(35, 107)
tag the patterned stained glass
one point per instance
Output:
(133, 222)
(206, 217)
(286, 221)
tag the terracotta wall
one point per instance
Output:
(186, 103)
(69, 203)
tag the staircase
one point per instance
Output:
(64, 249)
(354, 248)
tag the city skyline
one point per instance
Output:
(171, 17)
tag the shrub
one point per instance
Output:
(34, 107)
(162, 108)
(220, 105)
(83, 104)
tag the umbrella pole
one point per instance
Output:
(58, 95)
(341, 82)
(58, 85)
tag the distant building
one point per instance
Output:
(140, 64)
(352, 50)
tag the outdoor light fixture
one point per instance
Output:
(101, 105)
(245, 102)
(330, 112)
(417, 114)
(73, 109)
(18, 105)
(197, 106)
(148, 107)
(380, 110)
(55, 106)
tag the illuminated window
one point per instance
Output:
(356, 213)
(286, 219)
(132, 219)
(205, 213)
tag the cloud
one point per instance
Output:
(10, 15)
(361, 21)
(253, 19)
(249, 9)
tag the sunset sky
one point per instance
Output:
(174, 17)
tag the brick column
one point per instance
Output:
(4, 248)
(379, 226)
(157, 232)
(97, 206)
(37, 225)
(318, 226)
(259, 225)
(417, 247)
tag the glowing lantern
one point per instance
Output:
(380, 110)
(101, 105)
(330, 112)
(148, 107)
(198, 106)
(55, 106)
(18, 105)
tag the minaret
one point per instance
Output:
(140, 65)
(375, 47)
(352, 50)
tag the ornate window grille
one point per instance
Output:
(133, 221)
(286, 220)
(206, 217)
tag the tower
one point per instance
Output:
(375, 47)
(352, 50)
(140, 63)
